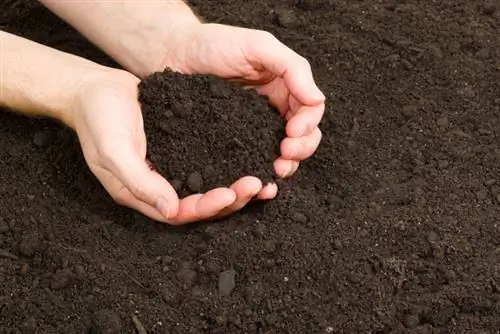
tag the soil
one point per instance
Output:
(392, 227)
(191, 117)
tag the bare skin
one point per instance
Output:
(101, 105)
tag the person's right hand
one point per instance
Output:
(109, 125)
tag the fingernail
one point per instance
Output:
(163, 207)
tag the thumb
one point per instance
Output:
(287, 64)
(145, 184)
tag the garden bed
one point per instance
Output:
(392, 226)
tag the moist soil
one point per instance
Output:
(393, 226)
(189, 118)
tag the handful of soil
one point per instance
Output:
(204, 132)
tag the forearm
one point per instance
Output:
(39, 81)
(136, 34)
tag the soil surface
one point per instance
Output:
(392, 227)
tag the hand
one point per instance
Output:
(258, 60)
(109, 125)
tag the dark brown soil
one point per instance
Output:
(188, 118)
(392, 227)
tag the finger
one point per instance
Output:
(145, 184)
(285, 168)
(129, 200)
(278, 95)
(286, 63)
(123, 196)
(268, 192)
(245, 189)
(300, 148)
(305, 120)
(203, 206)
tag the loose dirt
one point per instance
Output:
(392, 227)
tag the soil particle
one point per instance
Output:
(490, 182)
(335, 202)
(443, 164)
(106, 322)
(412, 320)
(185, 273)
(61, 279)
(30, 326)
(299, 217)
(195, 182)
(41, 139)
(270, 246)
(227, 282)
(409, 111)
(287, 18)
(24, 269)
(29, 244)
(443, 122)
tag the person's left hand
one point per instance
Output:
(258, 60)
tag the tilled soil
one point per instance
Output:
(392, 227)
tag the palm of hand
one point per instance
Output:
(109, 125)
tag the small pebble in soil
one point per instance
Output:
(60, 279)
(299, 217)
(443, 122)
(286, 18)
(269, 246)
(24, 269)
(30, 326)
(432, 237)
(443, 164)
(41, 138)
(335, 202)
(185, 273)
(409, 111)
(29, 245)
(106, 322)
(79, 271)
(195, 182)
(412, 320)
(227, 282)
(337, 244)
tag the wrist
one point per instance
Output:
(28, 84)
(137, 35)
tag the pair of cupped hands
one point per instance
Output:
(109, 121)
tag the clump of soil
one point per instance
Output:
(188, 118)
